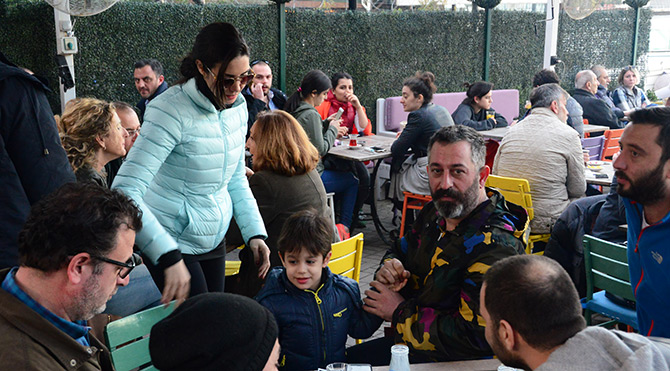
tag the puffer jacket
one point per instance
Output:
(186, 172)
(313, 325)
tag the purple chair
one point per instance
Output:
(594, 145)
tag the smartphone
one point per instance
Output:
(338, 114)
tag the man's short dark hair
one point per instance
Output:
(306, 230)
(545, 76)
(155, 65)
(457, 133)
(656, 116)
(536, 296)
(76, 218)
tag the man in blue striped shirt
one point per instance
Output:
(75, 249)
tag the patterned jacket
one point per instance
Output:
(440, 317)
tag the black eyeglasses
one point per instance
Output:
(257, 61)
(244, 78)
(126, 267)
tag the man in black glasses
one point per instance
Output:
(75, 249)
(260, 95)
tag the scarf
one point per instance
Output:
(347, 116)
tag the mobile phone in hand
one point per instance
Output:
(338, 114)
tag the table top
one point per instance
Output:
(591, 176)
(495, 134)
(476, 365)
(595, 128)
(364, 151)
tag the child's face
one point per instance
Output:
(304, 269)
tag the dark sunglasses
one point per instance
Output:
(244, 78)
(126, 267)
(257, 61)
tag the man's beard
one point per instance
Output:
(510, 360)
(463, 203)
(645, 190)
(88, 302)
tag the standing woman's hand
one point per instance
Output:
(261, 256)
(177, 283)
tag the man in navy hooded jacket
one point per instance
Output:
(32, 161)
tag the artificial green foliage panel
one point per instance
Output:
(378, 49)
(604, 38)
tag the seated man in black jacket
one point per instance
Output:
(595, 110)
(260, 95)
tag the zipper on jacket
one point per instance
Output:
(323, 324)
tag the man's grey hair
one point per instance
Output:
(583, 77)
(456, 133)
(544, 95)
(599, 70)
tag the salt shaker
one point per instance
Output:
(399, 358)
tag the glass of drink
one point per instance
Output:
(337, 366)
(352, 140)
(490, 114)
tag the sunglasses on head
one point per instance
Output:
(257, 61)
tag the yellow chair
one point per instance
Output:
(347, 256)
(517, 191)
(233, 266)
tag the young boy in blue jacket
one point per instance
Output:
(314, 308)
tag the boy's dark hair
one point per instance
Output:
(306, 230)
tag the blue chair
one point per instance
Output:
(607, 269)
(594, 146)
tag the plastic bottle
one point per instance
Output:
(399, 358)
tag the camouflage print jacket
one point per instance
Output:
(440, 318)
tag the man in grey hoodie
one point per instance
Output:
(534, 322)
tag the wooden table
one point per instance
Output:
(365, 152)
(476, 365)
(607, 169)
(595, 128)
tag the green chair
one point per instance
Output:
(607, 269)
(128, 338)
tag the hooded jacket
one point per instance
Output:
(649, 270)
(186, 172)
(313, 325)
(33, 162)
(321, 134)
(596, 348)
(439, 318)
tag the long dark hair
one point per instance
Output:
(422, 83)
(216, 43)
(478, 89)
(315, 81)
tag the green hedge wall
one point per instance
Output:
(378, 49)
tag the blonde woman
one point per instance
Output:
(92, 136)
(628, 96)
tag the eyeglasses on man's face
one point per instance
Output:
(125, 268)
(133, 132)
(244, 78)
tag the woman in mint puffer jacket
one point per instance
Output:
(186, 170)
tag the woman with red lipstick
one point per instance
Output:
(187, 172)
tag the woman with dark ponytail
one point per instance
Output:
(425, 118)
(475, 111)
(322, 133)
(186, 170)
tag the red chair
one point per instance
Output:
(412, 201)
(611, 144)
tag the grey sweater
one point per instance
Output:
(596, 348)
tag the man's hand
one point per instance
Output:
(177, 283)
(257, 92)
(383, 302)
(393, 275)
(261, 256)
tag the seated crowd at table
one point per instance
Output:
(110, 209)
